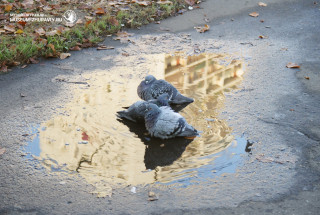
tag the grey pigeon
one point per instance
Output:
(151, 88)
(137, 110)
(164, 123)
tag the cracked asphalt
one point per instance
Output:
(275, 107)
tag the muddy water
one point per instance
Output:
(87, 138)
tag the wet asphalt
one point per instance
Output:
(277, 108)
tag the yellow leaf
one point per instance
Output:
(8, 7)
(19, 31)
(254, 14)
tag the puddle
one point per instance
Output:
(86, 137)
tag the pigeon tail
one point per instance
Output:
(180, 99)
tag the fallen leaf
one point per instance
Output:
(152, 196)
(40, 31)
(85, 136)
(88, 22)
(292, 65)
(291, 109)
(88, 17)
(79, 21)
(100, 11)
(113, 21)
(202, 29)
(75, 48)
(190, 2)
(64, 55)
(164, 2)
(52, 48)
(23, 23)
(43, 41)
(10, 28)
(47, 8)
(23, 66)
(103, 47)
(284, 49)
(261, 4)
(33, 60)
(52, 33)
(125, 54)
(2, 150)
(8, 7)
(22, 95)
(261, 20)
(263, 37)
(143, 3)
(19, 31)
(307, 77)
(254, 14)
(4, 69)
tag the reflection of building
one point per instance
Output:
(91, 141)
(204, 78)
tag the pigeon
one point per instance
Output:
(151, 88)
(136, 111)
(164, 123)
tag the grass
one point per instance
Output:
(18, 49)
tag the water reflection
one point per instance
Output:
(90, 140)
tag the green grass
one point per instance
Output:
(20, 48)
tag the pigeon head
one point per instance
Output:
(149, 79)
(144, 86)
(152, 110)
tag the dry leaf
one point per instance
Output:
(100, 11)
(43, 41)
(307, 77)
(52, 48)
(23, 66)
(143, 3)
(261, 20)
(79, 21)
(23, 23)
(8, 7)
(263, 37)
(10, 28)
(75, 48)
(88, 17)
(261, 4)
(2, 150)
(190, 2)
(113, 21)
(202, 29)
(88, 22)
(19, 31)
(291, 109)
(254, 14)
(47, 8)
(33, 60)
(4, 69)
(51, 33)
(164, 2)
(103, 47)
(292, 65)
(125, 54)
(64, 55)
(40, 31)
